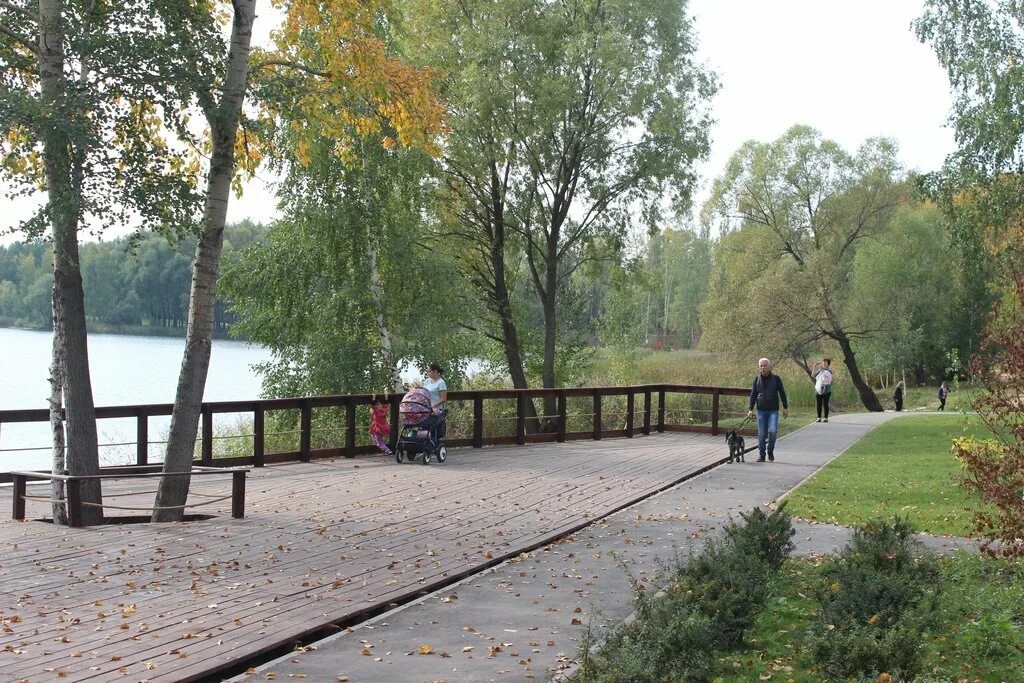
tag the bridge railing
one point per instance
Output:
(621, 411)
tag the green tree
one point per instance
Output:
(904, 287)
(307, 293)
(568, 120)
(801, 207)
(80, 112)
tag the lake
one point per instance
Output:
(125, 370)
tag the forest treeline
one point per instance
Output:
(135, 284)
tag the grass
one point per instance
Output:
(980, 636)
(903, 467)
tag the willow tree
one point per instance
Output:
(571, 122)
(340, 74)
(794, 213)
(83, 109)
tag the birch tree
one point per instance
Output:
(81, 117)
(336, 69)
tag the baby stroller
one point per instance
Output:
(422, 428)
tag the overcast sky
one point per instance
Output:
(851, 70)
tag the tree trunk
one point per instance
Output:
(376, 286)
(501, 302)
(549, 300)
(223, 120)
(377, 292)
(58, 465)
(64, 208)
(867, 395)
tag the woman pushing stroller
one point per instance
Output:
(423, 418)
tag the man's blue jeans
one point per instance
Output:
(767, 429)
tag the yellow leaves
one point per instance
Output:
(361, 91)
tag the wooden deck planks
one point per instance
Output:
(321, 542)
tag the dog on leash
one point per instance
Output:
(736, 446)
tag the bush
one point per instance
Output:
(710, 603)
(768, 536)
(877, 601)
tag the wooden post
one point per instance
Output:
(305, 430)
(73, 493)
(238, 494)
(350, 428)
(630, 412)
(141, 439)
(647, 411)
(714, 412)
(478, 420)
(521, 419)
(396, 422)
(18, 490)
(597, 414)
(561, 416)
(661, 410)
(207, 441)
(259, 435)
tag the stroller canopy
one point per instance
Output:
(415, 407)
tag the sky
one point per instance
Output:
(851, 70)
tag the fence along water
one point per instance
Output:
(300, 429)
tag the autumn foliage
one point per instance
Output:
(994, 468)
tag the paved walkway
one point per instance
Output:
(522, 620)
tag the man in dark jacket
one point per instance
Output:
(766, 393)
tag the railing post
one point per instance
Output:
(141, 439)
(305, 429)
(520, 419)
(560, 437)
(207, 441)
(661, 410)
(350, 428)
(396, 425)
(18, 491)
(73, 493)
(597, 414)
(630, 411)
(478, 420)
(714, 412)
(259, 443)
(647, 410)
(238, 494)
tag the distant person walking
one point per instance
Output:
(766, 393)
(822, 387)
(897, 396)
(943, 394)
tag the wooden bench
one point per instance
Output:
(73, 492)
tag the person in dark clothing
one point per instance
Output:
(943, 394)
(766, 393)
(897, 397)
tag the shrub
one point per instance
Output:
(768, 536)
(877, 600)
(710, 603)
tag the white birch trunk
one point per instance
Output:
(223, 120)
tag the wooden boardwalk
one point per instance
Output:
(322, 542)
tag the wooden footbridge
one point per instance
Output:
(323, 544)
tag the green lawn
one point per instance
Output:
(979, 638)
(903, 467)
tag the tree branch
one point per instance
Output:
(292, 65)
(19, 39)
(18, 10)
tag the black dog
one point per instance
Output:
(736, 444)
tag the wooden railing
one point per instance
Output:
(554, 426)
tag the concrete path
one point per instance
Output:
(522, 620)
